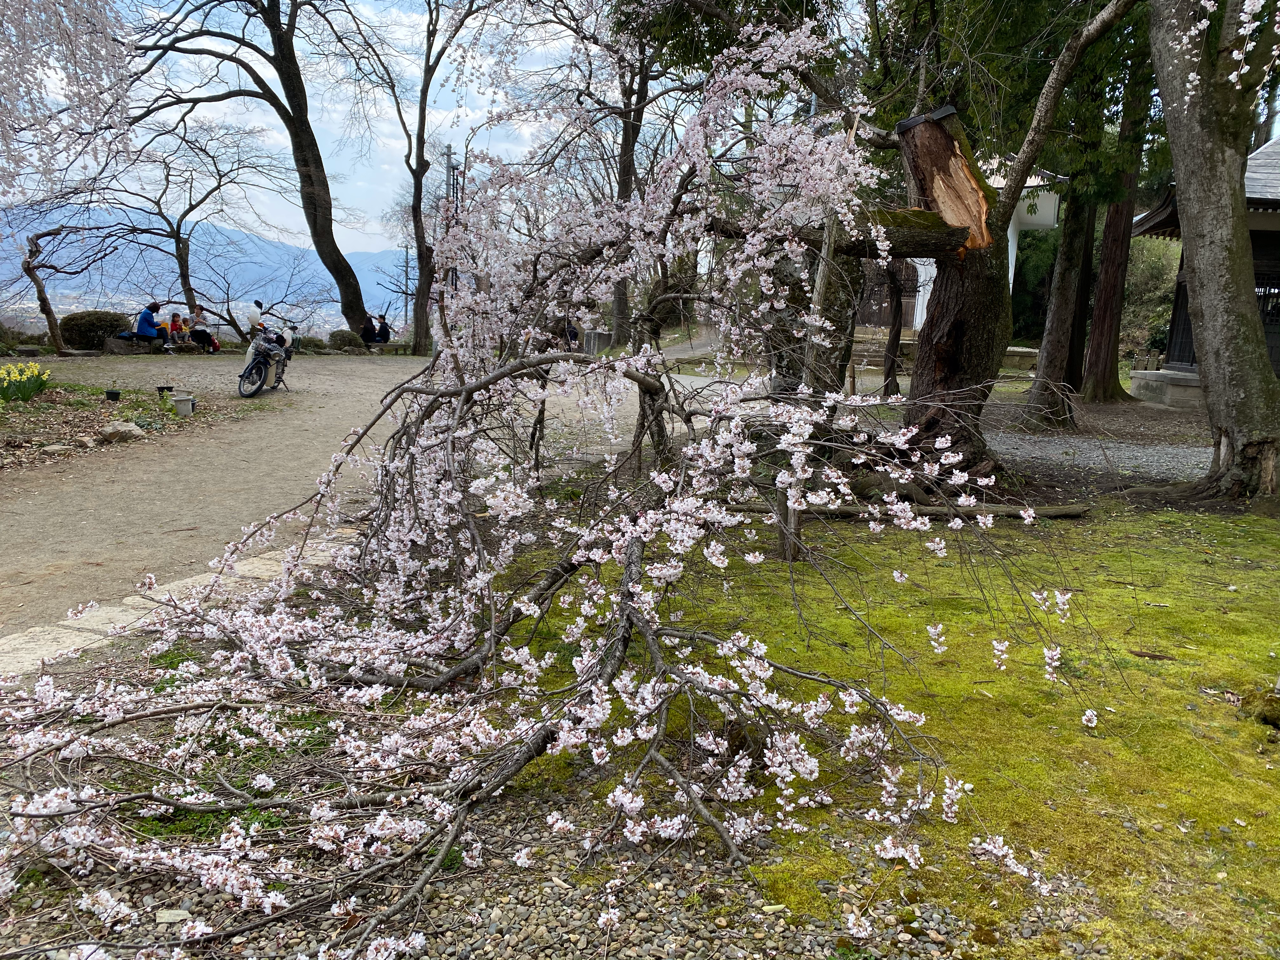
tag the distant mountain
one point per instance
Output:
(226, 264)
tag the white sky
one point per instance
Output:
(366, 185)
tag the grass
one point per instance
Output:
(1167, 810)
(1110, 805)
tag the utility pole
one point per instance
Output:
(451, 200)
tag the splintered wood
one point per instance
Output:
(945, 180)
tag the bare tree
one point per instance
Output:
(270, 53)
(61, 258)
(409, 70)
(177, 184)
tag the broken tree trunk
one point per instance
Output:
(969, 321)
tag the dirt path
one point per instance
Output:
(92, 527)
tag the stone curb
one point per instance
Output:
(23, 652)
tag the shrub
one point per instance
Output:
(22, 381)
(10, 337)
(341, 339)
(310, 343)
(87, 329)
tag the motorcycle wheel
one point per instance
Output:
(252, 380)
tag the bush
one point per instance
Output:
(87, 329)
(341, 339)
(310, 344)
(9, 337)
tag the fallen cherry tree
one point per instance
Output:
(372, 710)
(331, 745)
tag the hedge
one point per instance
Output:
(87, 329)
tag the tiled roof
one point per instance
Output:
(1262, 175)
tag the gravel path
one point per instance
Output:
(686, 904)
(91, 527)
(1117, 457)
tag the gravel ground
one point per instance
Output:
(1117, 457)
(90, 527)
(678, 905)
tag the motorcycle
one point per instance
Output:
(267, 357)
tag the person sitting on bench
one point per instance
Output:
(148, 329)
(200, 329)
(178, 329)
(384, 331)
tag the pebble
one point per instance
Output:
(507, 914)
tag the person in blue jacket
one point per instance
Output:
(148, 329)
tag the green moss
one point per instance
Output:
(918, 219)
(1136, 806)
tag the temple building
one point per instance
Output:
(1177, 382)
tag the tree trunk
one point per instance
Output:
(46, 308)
(424, 254)
(182, 254)
(836, 292)
(634, 97)
(1074, 377)
(308, 160)
(422, 316)
(1102, 359)
(822, 280)
(1209, 138)
(1047, 402)
(969, 321)
(894, 343)
(1266, 110)
(966, 332)
(34, 249)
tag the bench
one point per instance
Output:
(132, 347)
(114, 346)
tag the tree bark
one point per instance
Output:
(1266, 110)
(42, 298)
(308, 159)
(1102, 360)
(969, 321)
(1209, 136)
(182, 255)
(1048, 404)
(635, 96)
(424, 253)
(1074, 376)
(894, 343)
(30, 266)
(816, 308)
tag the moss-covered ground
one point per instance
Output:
(1167, 810)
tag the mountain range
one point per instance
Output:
(227, 265)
